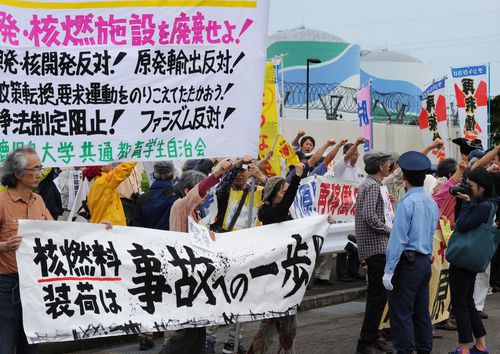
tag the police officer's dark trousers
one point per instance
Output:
(411, 327)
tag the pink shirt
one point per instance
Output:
(446, 202)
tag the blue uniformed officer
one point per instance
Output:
(408, 266)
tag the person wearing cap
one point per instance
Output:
(372, 234)
(152, 209)
(408, 265)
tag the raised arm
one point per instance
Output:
(486, 159)
(331, 155)
(295, 141)
(319, 153)
(432, 146)
(353, 148)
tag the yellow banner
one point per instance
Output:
(269, 122)
(439, 289)
(284, 150)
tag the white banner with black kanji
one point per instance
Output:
(78, 280)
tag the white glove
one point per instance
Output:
(386, 279)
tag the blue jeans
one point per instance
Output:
(12, 337)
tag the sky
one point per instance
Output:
(442, 33)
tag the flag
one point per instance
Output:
(283, 149)
(432, 119)
(269, 122)
(471, 91)
(365, 116)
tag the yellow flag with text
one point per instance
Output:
(284, 150)
(269, 122)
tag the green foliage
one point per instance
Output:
(495, 119)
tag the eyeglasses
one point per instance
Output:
(34, 169)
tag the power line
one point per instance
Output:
(453, 45)
(413, 19)
(404, 44)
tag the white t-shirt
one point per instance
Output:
(344, 170)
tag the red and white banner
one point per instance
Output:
(471, 91)
(432, 119)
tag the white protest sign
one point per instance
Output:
(78, 280)
(148, 80)
(388, 210)
(200, 235)
(74, 181)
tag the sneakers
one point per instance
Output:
(457, 351)
(209, 347)
(474, 350)
(229, 349)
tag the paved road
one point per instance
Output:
(334, 330)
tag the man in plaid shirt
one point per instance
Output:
(372, 235)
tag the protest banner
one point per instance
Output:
(432, 119)
(337, 197)
(471, 91)
(81, 281)
(363, 103)
(91, 83)
(388, 210)
(326, 195)
(269, 122)
(304, 204)
(74, 181)
(282, 148)
(439, 289)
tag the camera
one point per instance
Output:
(463, 188)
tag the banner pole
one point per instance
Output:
(489, 110)
(371, 114)
(249, 225)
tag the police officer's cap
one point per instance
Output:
(414, 161)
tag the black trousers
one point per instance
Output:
(411, 326)
(462, 301)
(375, 301)
(347, 264)
(186, 341)
(495, 269)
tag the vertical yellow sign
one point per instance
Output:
(269, 122)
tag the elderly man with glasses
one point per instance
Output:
(20, 173)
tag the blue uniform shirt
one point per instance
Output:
(414, 226)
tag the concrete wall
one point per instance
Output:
(387, 137)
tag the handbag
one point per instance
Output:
(474, 249)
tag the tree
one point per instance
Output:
(495, 119)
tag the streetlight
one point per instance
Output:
(314, 61)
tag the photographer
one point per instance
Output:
(477, 201)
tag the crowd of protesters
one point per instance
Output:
(396, 259)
